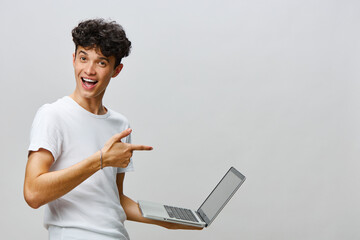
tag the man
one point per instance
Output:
(80, 150)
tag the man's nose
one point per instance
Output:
(90, 69)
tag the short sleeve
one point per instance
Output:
(45, 132)
(130, 167)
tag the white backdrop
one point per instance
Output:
(270, 87)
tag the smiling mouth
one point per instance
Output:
(88, 83)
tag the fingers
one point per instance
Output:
(140, 147)
(131, 147)
(119, 136)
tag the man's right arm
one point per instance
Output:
(42, 186)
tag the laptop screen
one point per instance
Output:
(222, 193)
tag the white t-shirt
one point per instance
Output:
(72, 134)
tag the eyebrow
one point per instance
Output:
(81, 51)
(102, 58)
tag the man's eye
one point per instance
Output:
(82, 58)
(103, 64)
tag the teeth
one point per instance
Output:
(88, 80)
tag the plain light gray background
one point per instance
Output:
(268, 86)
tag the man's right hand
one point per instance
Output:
(118, 154)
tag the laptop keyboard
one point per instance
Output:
(180, 213)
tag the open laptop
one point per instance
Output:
(206, 213)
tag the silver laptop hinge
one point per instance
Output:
(199, 216)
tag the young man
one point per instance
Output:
(80, 150)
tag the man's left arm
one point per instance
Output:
(133, 213)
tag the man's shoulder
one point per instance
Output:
(118, 116)
(52, 109)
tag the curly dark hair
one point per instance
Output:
(109, 36)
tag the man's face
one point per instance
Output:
(93, 72)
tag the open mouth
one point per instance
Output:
(88, 83)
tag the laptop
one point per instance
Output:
(206, 213)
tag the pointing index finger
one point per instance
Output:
(140, 147)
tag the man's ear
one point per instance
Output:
(117, 70)
(74, 59)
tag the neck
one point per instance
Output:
(93, 105)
